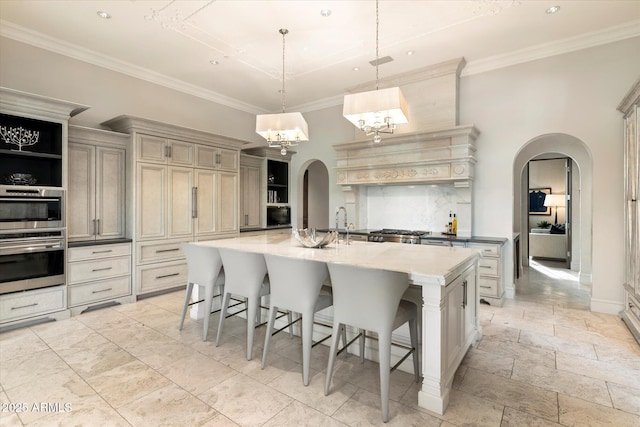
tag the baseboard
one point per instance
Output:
(606, 306)
(575, 266)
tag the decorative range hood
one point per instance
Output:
(416, 158)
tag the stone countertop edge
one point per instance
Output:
(435, 236)
(275, 227)
(97, 242)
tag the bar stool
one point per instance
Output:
(296, 285)
(245, 276)
(371, 299)
(204, 268)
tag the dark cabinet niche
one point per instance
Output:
(277, 182)
(43, 160)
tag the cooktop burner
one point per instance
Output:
(396, 235)
(401, 232)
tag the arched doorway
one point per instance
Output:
(313, 195)
(573, 148)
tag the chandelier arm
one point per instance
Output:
(283, 32)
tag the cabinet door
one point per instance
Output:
(110, 192)
(250, 196)
(471, 304)
(181, 153)
(180, 202)
(206, 157)
(228, 202)
(228, 159)
(454, 318)
(151, 149)
(151, 201)
(81, 192)
(205, 221)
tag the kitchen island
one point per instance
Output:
(446, 276)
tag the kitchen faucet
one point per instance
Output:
(346, 224)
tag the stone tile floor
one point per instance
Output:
(545, 362)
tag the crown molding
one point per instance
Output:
(34, 38)
(571, 44)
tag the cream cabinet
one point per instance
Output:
(185, 188)
(491, 286)
(631, 109)
(96, 184)
(98, 275)
(19, 306)
(250, 173)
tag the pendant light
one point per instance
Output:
(282, 130)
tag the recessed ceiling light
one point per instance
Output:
(410, 52)
(214, 62)
(104, 15)
(356, 68)
(325, 12)
(553, 9)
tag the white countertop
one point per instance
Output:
(424, 264)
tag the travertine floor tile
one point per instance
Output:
(29, 368)
(488, 362)
(290, 383)
(567, 345)
(127, 383)
(568, 383)
(245, 401)
(514, 418)
(467, 410)
(91, 411)
(197, 372)
(517, 351)
(20, 343)
(578, 413)
(363, 409)
(298, 414)
(275, 366)
(605, 371)
(515, 394)
(169, 405)
(93, 361)
(625, 398)
(501, 332)
(620, 353)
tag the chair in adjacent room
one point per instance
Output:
(371, 300)
(204, 268)
(296, 285)
(246, 277)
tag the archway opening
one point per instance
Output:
(313, 195)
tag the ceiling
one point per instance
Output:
(173, 42)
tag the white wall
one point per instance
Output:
(576, 94)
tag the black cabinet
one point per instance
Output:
(29, 146)
(277, 182)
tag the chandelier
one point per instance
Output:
(377, 111)
(282, 130)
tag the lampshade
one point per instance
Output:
(375, 106)
(282, 127)
(555, 200)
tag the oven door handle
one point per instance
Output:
(29, 199)
(31, 247)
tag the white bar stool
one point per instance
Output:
(296, 286)
(204, 268)
(371, 299)
(245, 276)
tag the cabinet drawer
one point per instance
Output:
(32, 303)
(99, 251)
(84, 271)
(156, 277)
(487, 250)
(488, 266)
(159, 251)
(99, 291)
(489, 286)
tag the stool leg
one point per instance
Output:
(413, 333)
(332, 356)
(267, 338)
(252, 311)
(290, 319)
(307, 341)
(208, 301)
(384, 352)
(223, 314)
(187, 299)
(362, 342)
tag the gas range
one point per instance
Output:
(397, 236)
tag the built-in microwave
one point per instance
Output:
(24, 207)
(278, 215)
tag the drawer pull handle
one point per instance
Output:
(24, 306)
(103, 290)
(485, 266)
(167, 275)
(486, 287)
(487, 250)
(101, 269)
(167, 250)
(102, 252)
